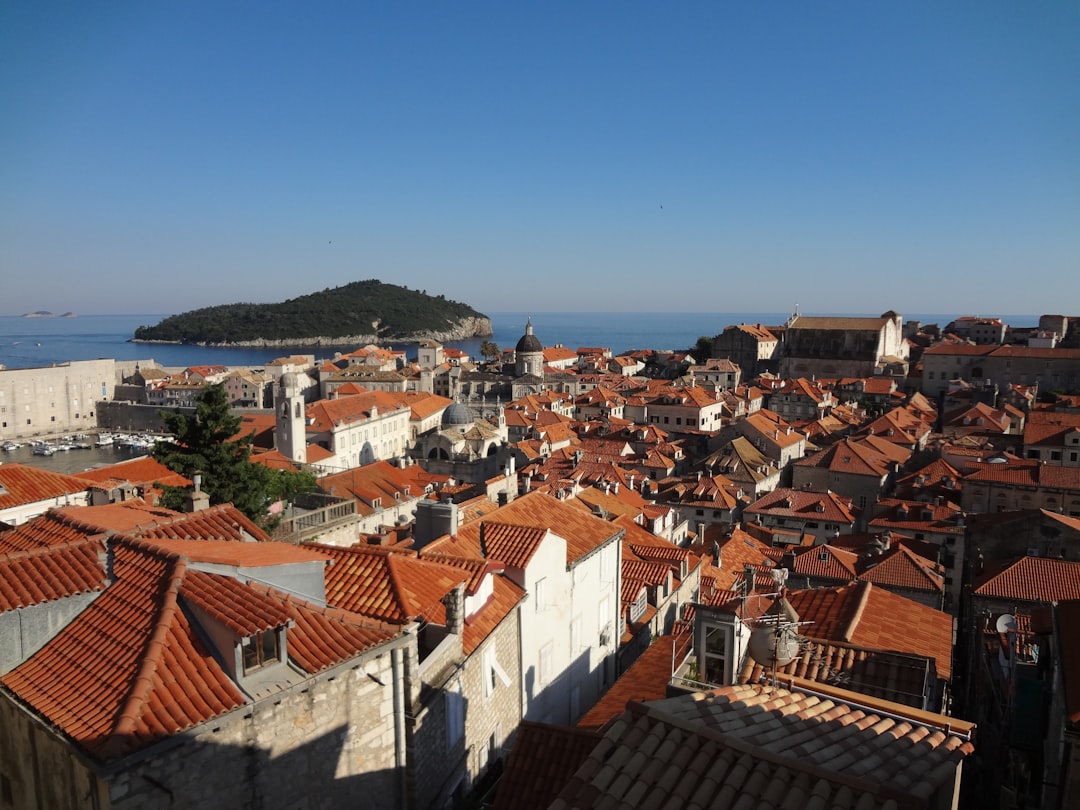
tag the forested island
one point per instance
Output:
(361, 312)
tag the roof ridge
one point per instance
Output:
(129, 712)
(864, 597)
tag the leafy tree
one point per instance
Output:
(702, 350)
(205, 443)
(490, 350)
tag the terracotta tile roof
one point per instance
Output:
(221, 522)
(321, 637)
(230, 552)
(1048, 427)
(901, 567)
(63, 524)
(51, 572)
(139, 471)
(387, 584)
(1025, 473)
(130, 669)
(852, 457)
(646, 679)
(506, 596)
(862, 614)
(326, 414)
(543, 758)
(22, 484)
(762, 746)
(1032, 579)
(899, 677)
(825, 561)
(233, 603)
(513, 532)
(847, 324)
(805, 505)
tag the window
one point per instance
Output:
(455, 714)
(493, 673)
(541, 594)
(260, 650)
(546, 654)
(714, 652)
(638, 608)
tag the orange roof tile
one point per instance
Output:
(867, 616)
(390, 585)
(544, 757)
(22, 484)
(52, 572)
(770, 747)
(513, 531)
(1032, 579)
(103, 685)
(646, 679)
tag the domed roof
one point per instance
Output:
(289, 380)
(458, 414)
(529, 343)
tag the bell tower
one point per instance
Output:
(290, 429)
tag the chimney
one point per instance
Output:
(483, 541)
(748, 579)
(433, 520)
(197, 500)
(455, 609)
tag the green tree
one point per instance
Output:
(207, 442)
(490, 349)
(702, 350)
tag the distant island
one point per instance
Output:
(42, 313)
(361, 312)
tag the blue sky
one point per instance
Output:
(842, 156)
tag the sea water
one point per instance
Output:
(34, 342)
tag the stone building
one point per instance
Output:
(1049, 369)
(842, 347)
(54, 399)
(202, 673)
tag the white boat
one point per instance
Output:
(104, 440)
(44, 450)
(11, 447)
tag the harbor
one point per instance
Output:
(72, 454)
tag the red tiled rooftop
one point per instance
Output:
(52, 572)
(768, 747)
(868, 616)
(22, 484)
(393, 586)
(1032, 579)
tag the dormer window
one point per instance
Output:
(260, 650)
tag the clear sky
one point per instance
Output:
(618, 156)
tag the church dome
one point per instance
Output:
(458, 414)
(529, 343)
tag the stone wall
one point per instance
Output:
(329, 741)
(54, 400)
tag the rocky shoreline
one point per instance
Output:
(464, 330)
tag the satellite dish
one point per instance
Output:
(774, 645)
(1006, 623)
(775, 642)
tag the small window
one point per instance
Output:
(260, 650)
(546, 663)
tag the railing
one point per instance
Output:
(303, 526)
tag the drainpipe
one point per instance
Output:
(399, 724)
